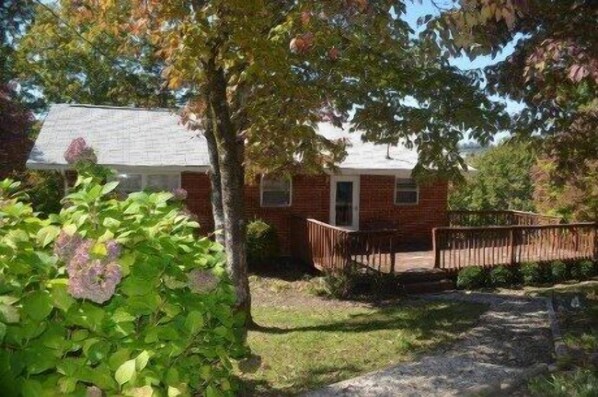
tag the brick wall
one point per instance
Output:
(14, 150)
(311, 198)
(415, 222)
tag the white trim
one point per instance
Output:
(290, 179)
(356, 179)
(130, 169)
(394, 199)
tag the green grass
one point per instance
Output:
(304, 347)
(577, 377)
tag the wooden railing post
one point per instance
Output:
(436, 248)
(512, 254)
(392, 256)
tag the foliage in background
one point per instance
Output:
(501, 181)
(501, 276)
(112, 296)
(15, 117)
(44, 188)
(263, 246)
(574, 197)
(558, 271)
(553, 71)
(68, 61)
(471, 277)
(583, 270)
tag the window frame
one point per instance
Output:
(145, 175)
(397, 190)
(263, 205)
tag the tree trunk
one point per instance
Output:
(230, 161)
(215, 180)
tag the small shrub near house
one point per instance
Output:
(558, 271)
(583, 270)
(471, 278)
(262, 243)
(112, 297)
(500, 276)
(531, 273)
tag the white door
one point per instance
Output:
(344, 201)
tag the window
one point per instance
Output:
(275, 192)
(165, 182)
(406, 191)
(130, 183)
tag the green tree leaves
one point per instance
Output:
(501, 180)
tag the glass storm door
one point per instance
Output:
(344, 202)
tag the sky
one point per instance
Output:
(417, 8)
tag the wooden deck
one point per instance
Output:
(513, 238)
(423, 261)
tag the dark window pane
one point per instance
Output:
(406, 197)
(344, 204)
(276, 199)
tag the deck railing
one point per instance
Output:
(500, 218)
(335, 249)
(458, 247)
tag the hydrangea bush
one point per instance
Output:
(112, 298)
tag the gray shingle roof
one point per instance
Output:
(138, 138)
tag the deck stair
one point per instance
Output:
(422, 281)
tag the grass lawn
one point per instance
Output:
(305, 341)
(577, 312)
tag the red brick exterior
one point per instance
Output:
(311, 198)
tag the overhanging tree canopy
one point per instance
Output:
(261, 74)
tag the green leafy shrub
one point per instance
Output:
(354, 284)
(558, 271)
(262, 243)
(471, 277)
(44, 188)
(531, 273)
(500, 276)
(583, 270)
(337, 286)
(112, 297)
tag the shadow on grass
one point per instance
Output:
(318, 376)
(387, 318)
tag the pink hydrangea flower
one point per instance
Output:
(179, 194)
(113, 249)
(201, 281)
(96, 282)
(93, 391)
(65, 246)
(81, 256)
(78, 151)
(93, 279)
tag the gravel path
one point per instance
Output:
(513, 335)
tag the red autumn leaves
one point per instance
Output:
(305, 42)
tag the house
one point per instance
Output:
(151, 149)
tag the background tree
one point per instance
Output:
(502, 180)
(64, 59)
(261, 74)
(553, 71)
(15, 118)
(575, 200)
